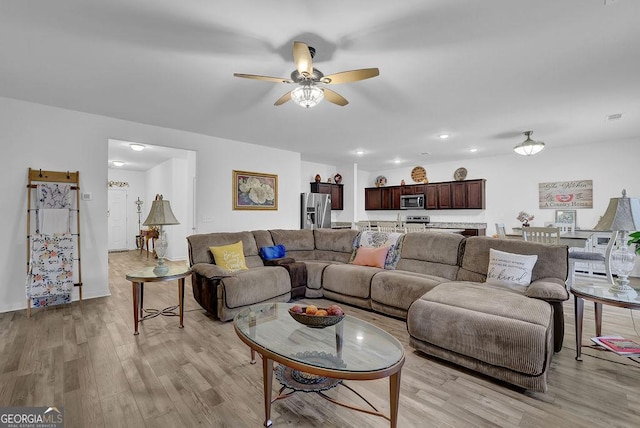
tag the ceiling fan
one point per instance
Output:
(309, 92)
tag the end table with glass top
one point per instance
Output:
(138, 279)
(600, 295)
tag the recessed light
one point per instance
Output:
(359, 152)
(425, 153)
(397, 161)
(443, 136)
(117, 163)
(473, 150)
(137, 147)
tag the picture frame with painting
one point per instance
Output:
(254, 191)
(566, 216)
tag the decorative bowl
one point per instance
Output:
(316, 321)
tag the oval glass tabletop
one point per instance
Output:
(352, 345)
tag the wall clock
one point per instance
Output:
(419, 174)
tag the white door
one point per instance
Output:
(117, 219)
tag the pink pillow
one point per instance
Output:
(375, 257)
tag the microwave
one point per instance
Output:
(411, 202)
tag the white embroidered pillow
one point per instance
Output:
(510, 270)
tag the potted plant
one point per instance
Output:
(634, 238)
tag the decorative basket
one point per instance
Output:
(316, 321)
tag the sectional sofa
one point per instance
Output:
(438, 286)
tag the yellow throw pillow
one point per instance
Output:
(229, 257)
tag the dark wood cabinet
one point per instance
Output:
(458, 194)
(475, 194)
(335, 190)
(372, 198)
(438, 196)
(431, 197)
(444, 195)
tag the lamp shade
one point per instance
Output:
(622, 214)
(529, 147)
(160, 213)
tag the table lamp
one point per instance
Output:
(623, 214)
(160, 215)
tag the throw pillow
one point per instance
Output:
(229, 257)
(273, 252)
(374, 239)
(371, 256)
(510, 270)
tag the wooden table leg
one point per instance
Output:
(267, 378)
(394, 398)
(135, 287)
(141, 300)
(579, 313)
(598, 315)
(181, 299)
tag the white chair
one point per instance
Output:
(414, 227)
(543, 235)
(501, 231)
(362, 225)
(387, 226)
(588, 257)
(566, 227)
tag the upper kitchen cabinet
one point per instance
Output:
(335, 190)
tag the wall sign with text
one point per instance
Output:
(566, 194)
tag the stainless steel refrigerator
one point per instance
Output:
(315, 211)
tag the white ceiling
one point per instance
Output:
(143, 160)
(482, 71)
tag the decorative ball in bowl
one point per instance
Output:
(312, 316)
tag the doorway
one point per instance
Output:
(117, 220)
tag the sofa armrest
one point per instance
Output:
(549, 289)
(211, 271)
(279, 262)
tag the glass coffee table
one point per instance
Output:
(600, 295)
(318, 359)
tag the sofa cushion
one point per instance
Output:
(255, 285)
(399, 289)
(300, 244)
(199, 246)
(487, 323)
(552, 259)
(371, 257)
(350, 280)
(229, 257)
(510, 270)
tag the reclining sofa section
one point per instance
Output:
(437, 286)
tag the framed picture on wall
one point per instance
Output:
(254, 191)
(566, 216)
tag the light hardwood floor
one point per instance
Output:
(85, 358)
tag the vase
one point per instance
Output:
(525, 224)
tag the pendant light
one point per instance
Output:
(529, 147)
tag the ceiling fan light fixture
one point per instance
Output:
(307, 95)
(529, 147)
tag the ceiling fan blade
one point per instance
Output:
(302, 58)
(350, 76)
(334, 97)
(267, 78)
(283, 99)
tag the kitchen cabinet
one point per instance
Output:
(372, 198)
(335, 190)
(444, 195)
(469, 194)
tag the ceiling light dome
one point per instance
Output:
(117, 163)
(529, 147)
(137, 147)
(307, 95)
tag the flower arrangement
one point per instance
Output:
(524, 218)
(635, 239)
